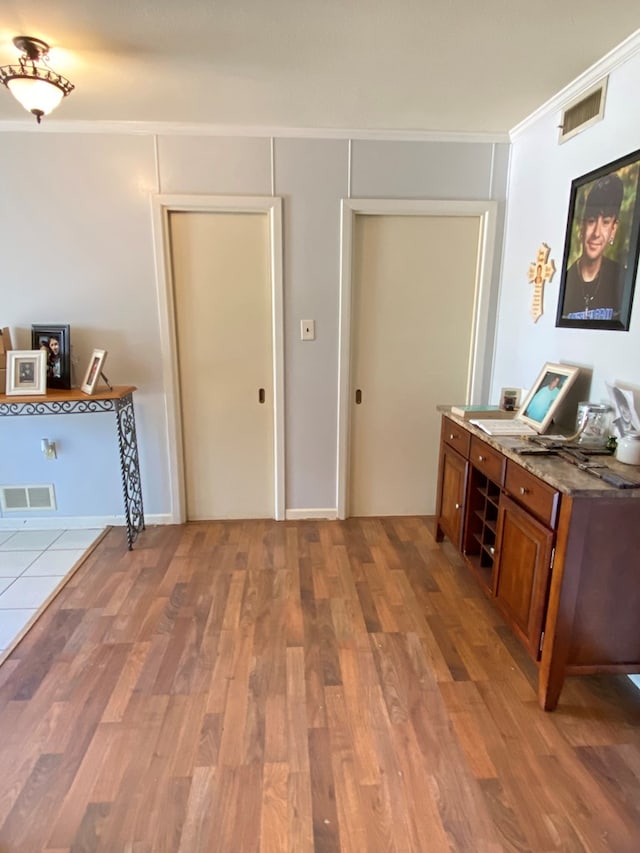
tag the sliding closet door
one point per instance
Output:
(414, 282)
(222, 296)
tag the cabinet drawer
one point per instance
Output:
(486, 459)
(456, 436)
(531, 493)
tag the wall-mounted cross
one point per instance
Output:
(540, 272)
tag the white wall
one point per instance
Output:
(76, 244)
(76, 248)
(538, 196)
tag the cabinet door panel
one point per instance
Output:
(522, 572)
(453, 485)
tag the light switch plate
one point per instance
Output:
(307, 330)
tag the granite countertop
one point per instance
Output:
(555, 471)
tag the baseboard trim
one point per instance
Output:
(77, 522)
(330, 513)
(87, 522)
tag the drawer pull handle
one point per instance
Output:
(452, 436)
(524, 490)
(481, 458)
(458, 506)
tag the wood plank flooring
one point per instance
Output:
(300, 686)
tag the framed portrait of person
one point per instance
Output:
(546, 395)
(601, 248)
(26, 372)
(55, 342)
(93, 371)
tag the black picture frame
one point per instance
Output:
(58, 364)
(611, 192)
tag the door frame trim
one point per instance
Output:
(480, 350)
(162, 206)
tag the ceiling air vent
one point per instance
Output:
(26, 498)
(581, 114)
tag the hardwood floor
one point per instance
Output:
(300, 686)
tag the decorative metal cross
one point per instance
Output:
(540, 272)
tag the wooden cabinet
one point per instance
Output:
(452, 482)
(523, 566)
(556, 551)
(453, 469)
(503, 522)
(528, 514)
(502, 518)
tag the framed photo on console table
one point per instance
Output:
(94, 370)
(547, 392)
(55, 342)
(601, 248)
(26, 372)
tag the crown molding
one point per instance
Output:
(143, 128)
(612, 60)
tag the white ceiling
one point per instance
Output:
(478, 66)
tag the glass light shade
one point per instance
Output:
(35, 95)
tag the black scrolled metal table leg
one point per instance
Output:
(130, 467)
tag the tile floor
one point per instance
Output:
(32, 564)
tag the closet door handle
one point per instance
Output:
(358, 396)
(261, 395)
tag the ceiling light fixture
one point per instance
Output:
(32, 82)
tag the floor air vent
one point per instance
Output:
(26, 498)
(581, 114)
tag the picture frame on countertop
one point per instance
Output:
(26, 372)
(510, 399)
(94, 371)
(546, 395)
(55, 341)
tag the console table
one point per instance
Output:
(118, 399)
(554, 548)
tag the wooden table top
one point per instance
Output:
(58, 395)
